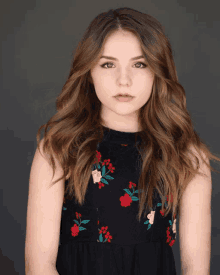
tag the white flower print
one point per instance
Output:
(151, 217)
(96, 176)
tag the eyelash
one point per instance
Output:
(113, 64)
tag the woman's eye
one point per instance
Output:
(103, 66)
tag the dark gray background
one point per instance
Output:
(37, 39)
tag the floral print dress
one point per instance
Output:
(104, 236)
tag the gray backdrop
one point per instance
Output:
(37, 39)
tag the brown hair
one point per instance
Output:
(168, 133)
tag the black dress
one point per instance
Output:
(104, 236)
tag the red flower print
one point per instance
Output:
(168, 235)
(98, 155)
(78, 215)
(125, 200)
(106, 161)
(110, 167)
(108, 237)
(75, 230)
(78, 226)
(101, 184)
(171, 242)
(129, 197)
(103, 230)
(131, 184)
(162, 212)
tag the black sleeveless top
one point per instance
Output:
(104, 236)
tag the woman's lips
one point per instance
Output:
(124, 98)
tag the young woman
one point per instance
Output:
(125, 166)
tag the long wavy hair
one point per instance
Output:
(71, 135)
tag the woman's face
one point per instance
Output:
(122, 75)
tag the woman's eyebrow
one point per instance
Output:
(113, 58)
